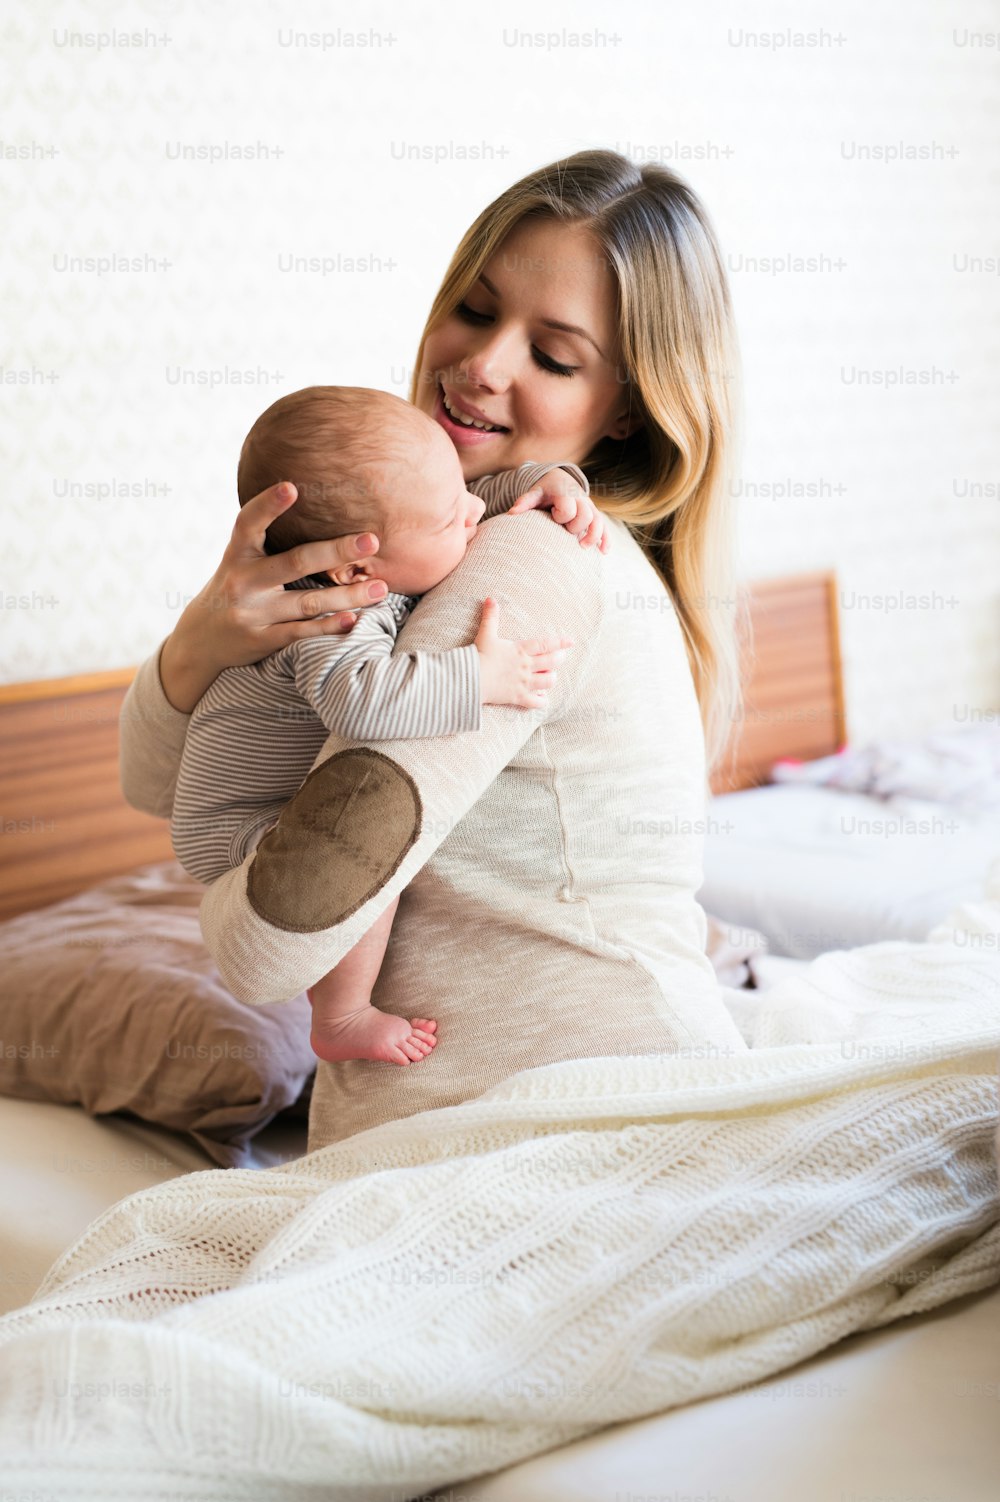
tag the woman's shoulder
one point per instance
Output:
(532, 555)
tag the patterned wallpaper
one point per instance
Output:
(205, 207)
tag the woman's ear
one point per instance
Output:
(350, 573)
(624, 425)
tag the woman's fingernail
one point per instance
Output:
(376, 591)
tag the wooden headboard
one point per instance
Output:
(64, 824)
(793, 697)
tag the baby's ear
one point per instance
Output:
(350, 573)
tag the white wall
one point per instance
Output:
(767, 134)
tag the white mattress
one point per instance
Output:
(906, 1414)
(814, 869)
(61, 1168)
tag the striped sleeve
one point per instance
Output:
(256, 732)
(362, 690)
(500, 491)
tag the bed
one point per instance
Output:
(906, 1412)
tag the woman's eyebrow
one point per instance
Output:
(549, 323)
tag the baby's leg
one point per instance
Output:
(345, 1025)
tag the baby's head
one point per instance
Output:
(363, 461)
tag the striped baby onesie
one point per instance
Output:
(255, 734)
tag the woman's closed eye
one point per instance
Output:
(545, 361)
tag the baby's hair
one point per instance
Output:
(336, 444)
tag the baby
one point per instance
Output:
(361, 460)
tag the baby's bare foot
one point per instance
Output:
(371, 1034)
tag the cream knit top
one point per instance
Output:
(548, 904)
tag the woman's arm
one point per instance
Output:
(150, 742)
(367, 818)
(243, 614)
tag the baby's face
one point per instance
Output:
(436, 519)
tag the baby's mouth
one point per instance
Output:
(468, 422)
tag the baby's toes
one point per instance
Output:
(423, 1024)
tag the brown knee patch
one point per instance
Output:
(341, 837)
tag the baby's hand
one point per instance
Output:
(571, 507)
(516, 672)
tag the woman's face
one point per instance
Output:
(550, 393)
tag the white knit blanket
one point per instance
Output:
(591, 1242)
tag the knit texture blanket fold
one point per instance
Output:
(591, 1242)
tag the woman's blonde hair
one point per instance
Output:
(670, 480)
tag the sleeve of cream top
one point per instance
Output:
(368, 816)
(150, 742)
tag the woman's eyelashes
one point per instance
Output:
(545, 361)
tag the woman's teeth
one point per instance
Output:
(469, 422)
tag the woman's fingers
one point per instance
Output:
(309, 603)
(277, 569)
(256, 516)
(329, 625)
(322, 557)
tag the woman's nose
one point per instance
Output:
(488, 366)
(483, 373)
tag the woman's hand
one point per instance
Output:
(244, 612)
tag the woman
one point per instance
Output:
(549, 863)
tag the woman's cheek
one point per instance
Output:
(442, 350)
(556, 416)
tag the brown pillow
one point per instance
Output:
(110, 1000)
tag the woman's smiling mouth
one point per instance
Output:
(461, 426)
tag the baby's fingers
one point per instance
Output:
(566, 510)
(541, 644)
(542, 660)
(527, 501)
(594, 533)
